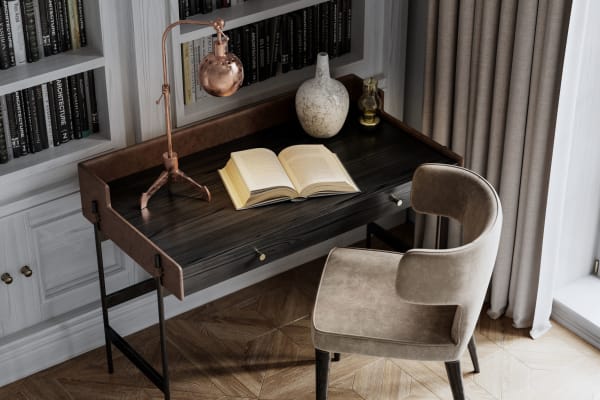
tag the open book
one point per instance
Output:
(257, 177)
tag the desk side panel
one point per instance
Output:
(123, 234)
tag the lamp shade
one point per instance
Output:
(221, 73)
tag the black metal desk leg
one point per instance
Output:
(163, 333)
(100, 261)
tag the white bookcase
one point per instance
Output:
(364, 59)
(30, 174)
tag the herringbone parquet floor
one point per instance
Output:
(255, 344)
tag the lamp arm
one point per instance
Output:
(218, 24)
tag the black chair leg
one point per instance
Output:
(322, 364)
(455, 378)
(473, 353)
(336, 357)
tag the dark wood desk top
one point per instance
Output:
(205, 243)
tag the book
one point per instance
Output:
(74, 103)
(4, 52)
(29, 31)
(5, 18)
(258, 176)
(47, 115)
(54, 120)
(21, 125)
(11, 112)
(81, 19)
(16, 27)
(93, 103)
(61, 103)
(83, 107)
(73, 18)
(185, 66)
(3, 142)
(32, 121)
(5, 123)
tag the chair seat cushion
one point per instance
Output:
(357, 311)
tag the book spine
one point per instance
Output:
(182, 4)
(304, 15)
(197, 46)
(4, 52)
(21, 127)
(44, 27)
(64, 31)
(333, 30)
(41, 116)
(38, 27)
(310, 50)
(268, 39)
(348, 30)
(29, 31)
(61, 110)
(83, 107)
(16, 27)
(275, 43)
(32, 120)
(3, 143)
(9, 40)
(11, 112)
(246, 54)
(53, 113)
(324, 27)
(5, 122)
(94, 119)
(81, 19)
(47, 115)
(52, 26)
(73, 23)
(207, 6)
(262, 61)
(341, 23)
(185, 66)
(253, 53)
(297, 49)
(284, 56)
(75, 103)
(68, 110)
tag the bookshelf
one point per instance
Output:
(363, 59)
(57, 165)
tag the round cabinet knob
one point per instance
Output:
(261, 256)
(6, 278)
(25, 270)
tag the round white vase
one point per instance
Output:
(322, 102)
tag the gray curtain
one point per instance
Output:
(491, 87)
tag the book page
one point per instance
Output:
(260, 170)
(315, 166)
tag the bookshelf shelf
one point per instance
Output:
(366, 42)
(49, 68)
(72, 151)
(242, 14)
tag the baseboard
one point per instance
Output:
(55, 341)
(577, 324)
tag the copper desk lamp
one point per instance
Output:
(220, 74)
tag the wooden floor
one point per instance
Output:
(255, 344)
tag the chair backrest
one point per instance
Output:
(457, 276)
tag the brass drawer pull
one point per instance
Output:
(25, 270)
(396, 199)
(261, 256)
(6, 278)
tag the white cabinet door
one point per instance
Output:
(63, 249)
(19, 300)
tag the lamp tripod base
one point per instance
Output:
(172, 173)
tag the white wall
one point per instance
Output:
(572, 235)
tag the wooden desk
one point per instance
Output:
(187, 244)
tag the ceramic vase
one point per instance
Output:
(322, 102)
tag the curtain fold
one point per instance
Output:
(491, 87)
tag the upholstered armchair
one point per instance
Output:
(420, 305)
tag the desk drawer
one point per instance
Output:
(346, 215)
